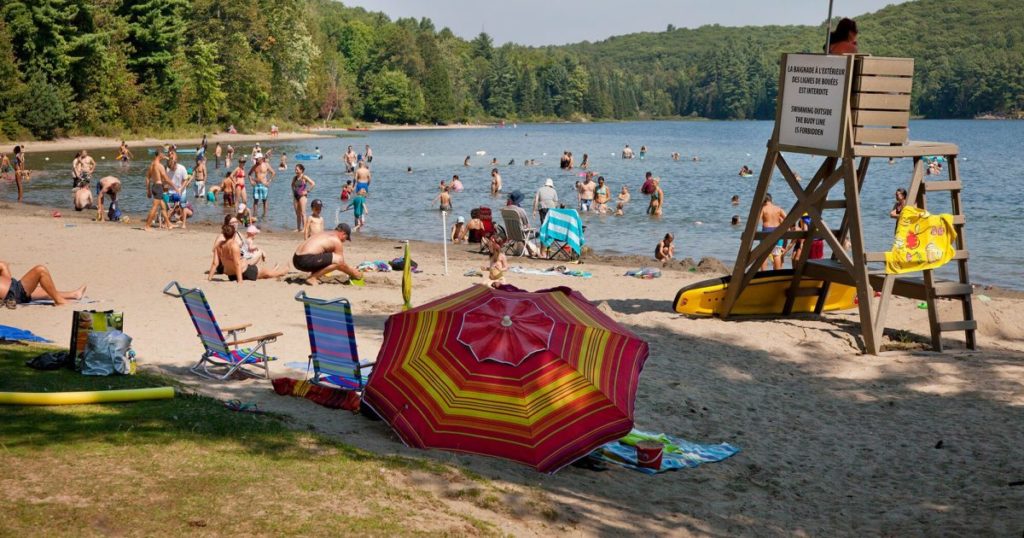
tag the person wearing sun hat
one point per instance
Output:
(545, 199)
(459, 230)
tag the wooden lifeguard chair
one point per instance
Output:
(850, 109)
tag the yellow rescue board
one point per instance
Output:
(764, 296)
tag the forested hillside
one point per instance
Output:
(111, 66)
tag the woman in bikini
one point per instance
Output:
(19, 168)
(657, 199)
(301, 187)
(239, 175)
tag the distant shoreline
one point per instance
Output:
(138, 146)
(75, 143)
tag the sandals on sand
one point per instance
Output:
(237, 405)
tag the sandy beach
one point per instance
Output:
(833, 442)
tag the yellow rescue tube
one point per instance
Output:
(85, 397)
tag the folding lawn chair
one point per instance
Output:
(489, 227)
(332, 342)
(516, 235)
(218, 352)
(562, 233)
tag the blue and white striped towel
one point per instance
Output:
(563, 225)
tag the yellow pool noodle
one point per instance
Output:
(85, 397)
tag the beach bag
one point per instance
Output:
(398, 264)
(107, 353)
(85, 322)
(114, 213)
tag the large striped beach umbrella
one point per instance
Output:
(542, 378)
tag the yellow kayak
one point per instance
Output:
(765, 295)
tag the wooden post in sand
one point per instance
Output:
(844, 108)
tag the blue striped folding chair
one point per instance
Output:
(218, 351)
(332, 344)
(562, 233)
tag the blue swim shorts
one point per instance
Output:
(259, 192)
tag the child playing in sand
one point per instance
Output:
(314, 223)
(253, 254)
(665, 250)
(459, 231)
(497, 264)
(243, 215)
(359, 210)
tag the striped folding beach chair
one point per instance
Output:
(219, 352)
(332, 344)
(562, 233)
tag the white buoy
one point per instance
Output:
(103, 157)
(47, 158)
(481, 152)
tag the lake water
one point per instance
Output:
(697, 206)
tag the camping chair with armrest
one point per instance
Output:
(489, 227)
(562, 234)
(332, 344)
(218, 351)
(516, 234)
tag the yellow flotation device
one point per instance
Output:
(85, 397)
(923, 241)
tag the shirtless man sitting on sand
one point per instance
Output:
(107, 186)
(229, 254)
(35, 285)
(771, 217)
(325, 252)
(83, 196)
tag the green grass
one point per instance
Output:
(188, 464)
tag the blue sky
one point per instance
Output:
(556, 22)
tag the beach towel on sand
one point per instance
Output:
(14, 333)
(645, 273)
(678, 453)
(923, 241)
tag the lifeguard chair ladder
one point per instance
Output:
(875, 124)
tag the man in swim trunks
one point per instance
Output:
(350, 160)
(229, 254)
(325, 252)
(35, 285)
(363, 178)
(771, 217)
(156, 178)
(106, 186)
(587, 189)
(260, 176)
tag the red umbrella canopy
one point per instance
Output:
(506, 329)
(541, 378)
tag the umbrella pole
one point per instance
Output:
(828, 28)
(444, 238)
